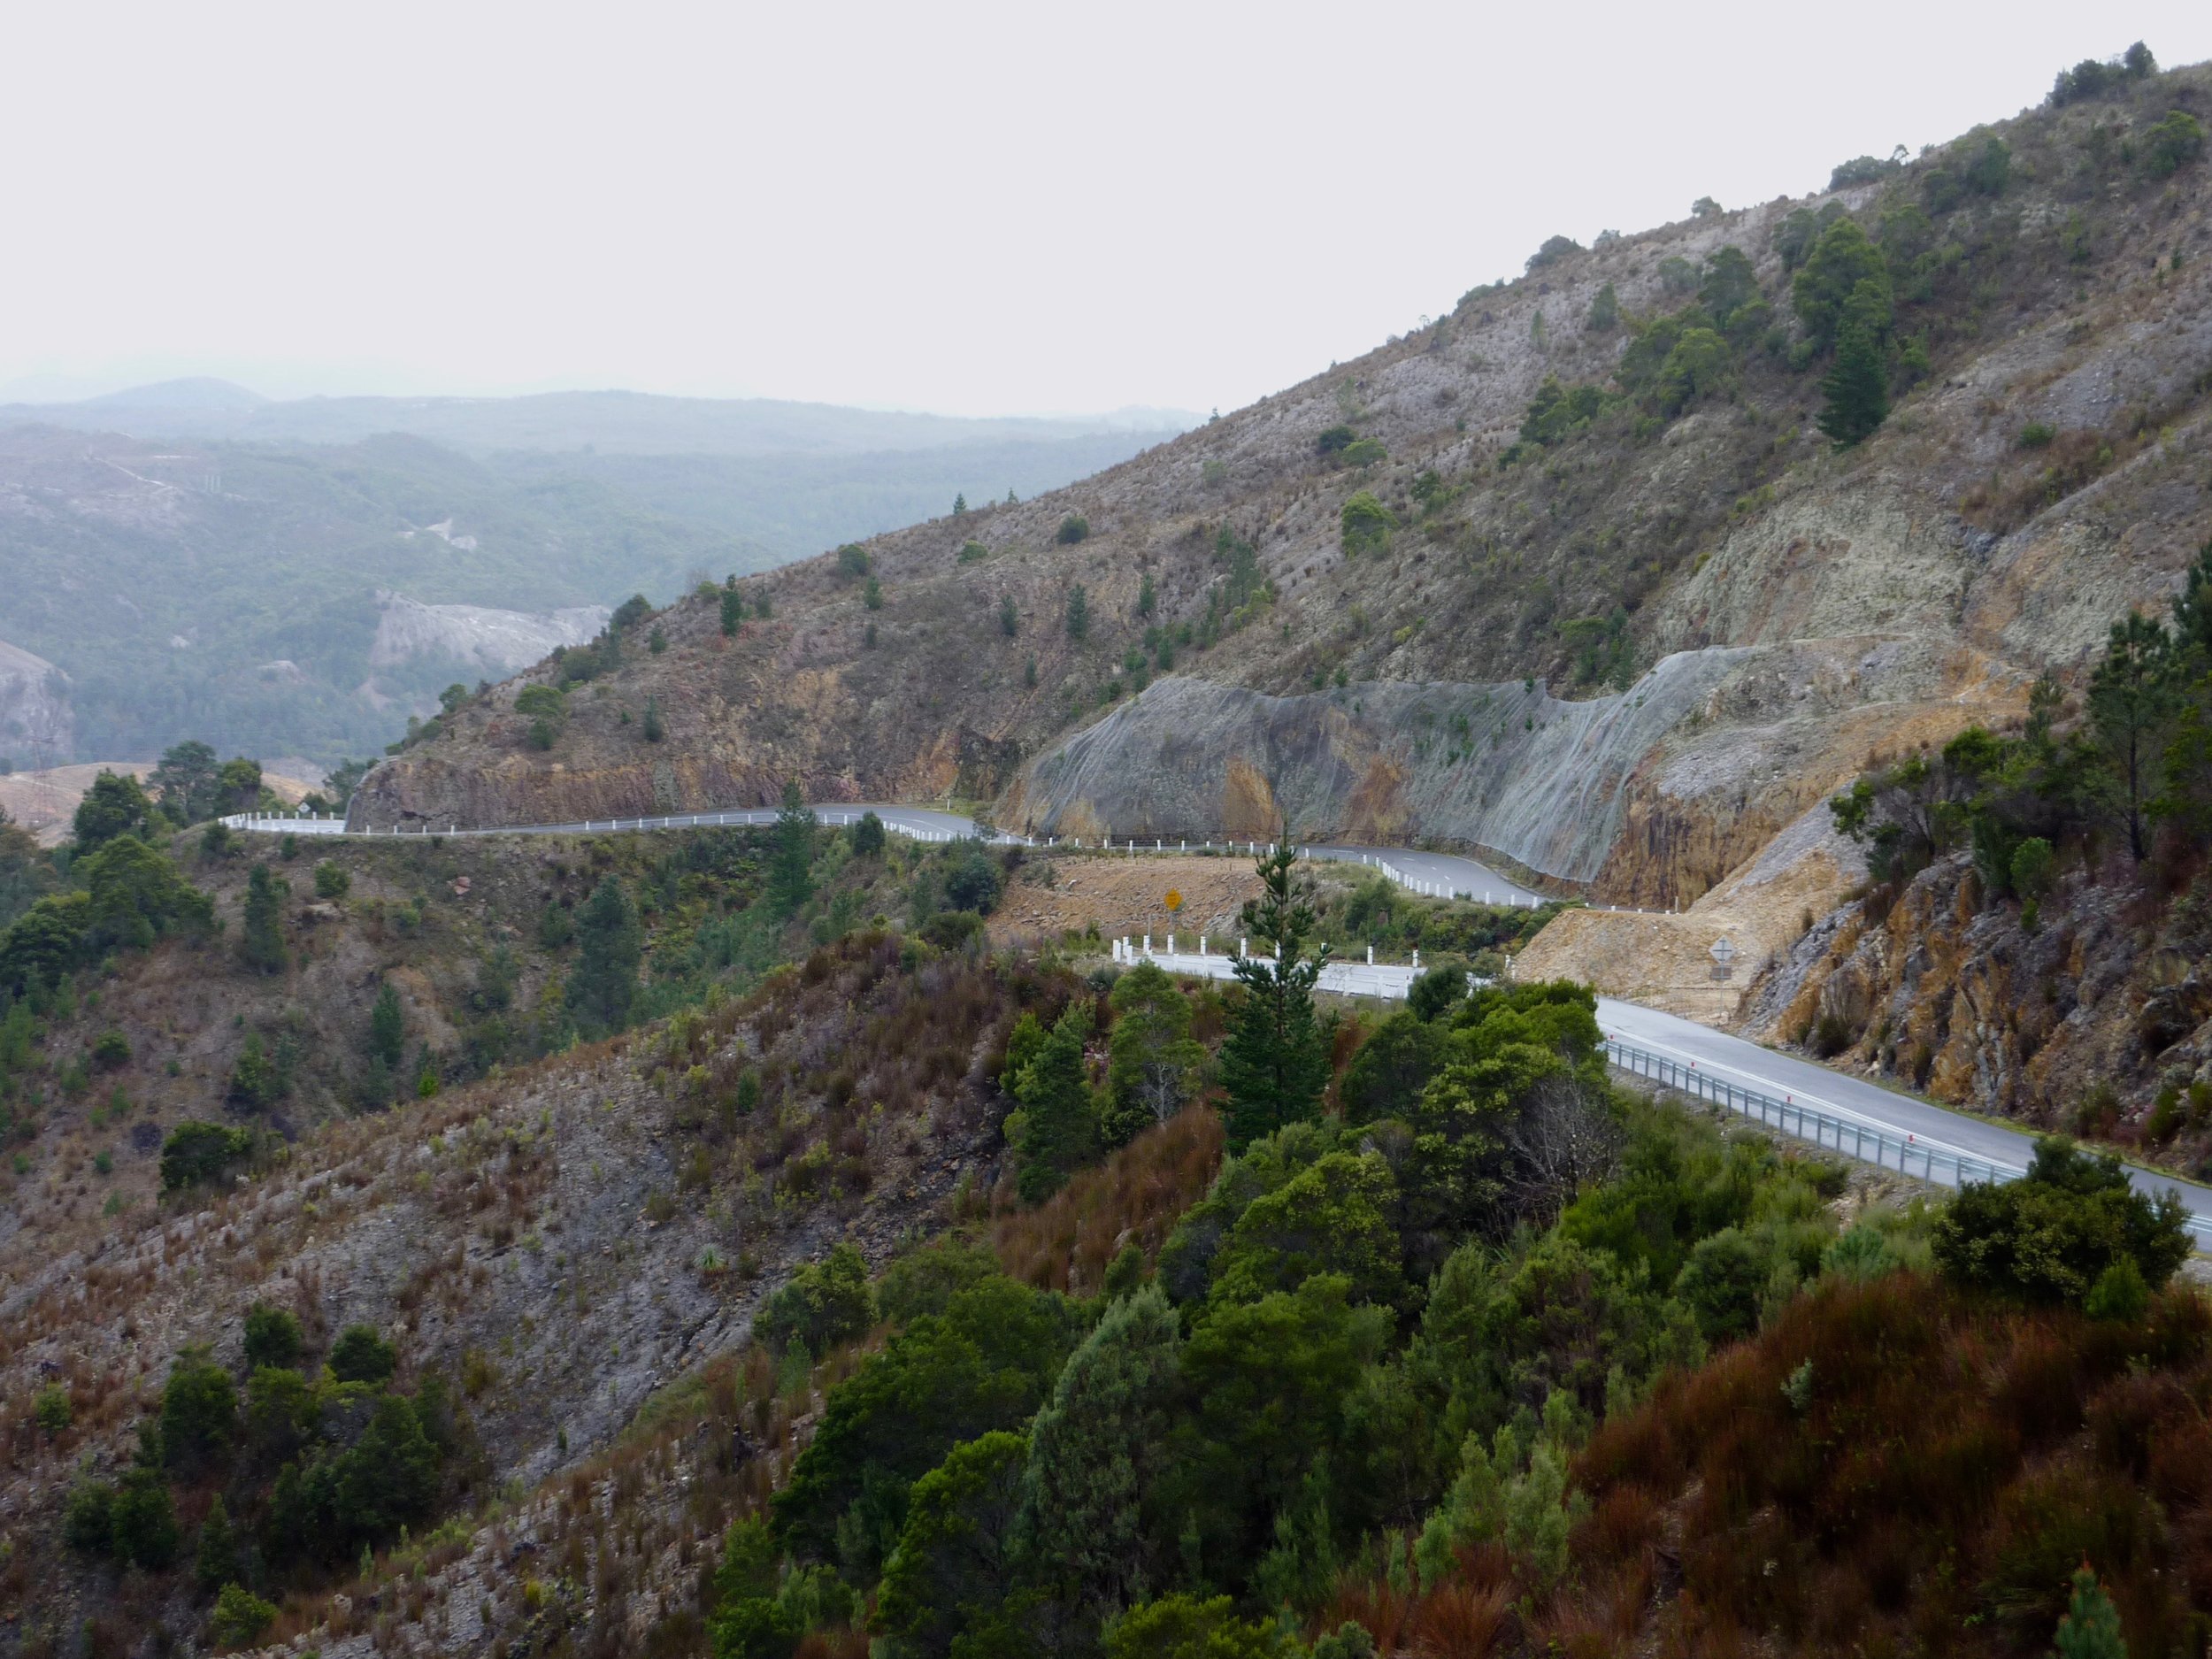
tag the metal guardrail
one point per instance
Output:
(1909, 1155)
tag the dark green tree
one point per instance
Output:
(610, 944)
(114, 805)
(654, 730)
(261, 940)
(360, 1355)
(1153, 1064)
(257, 1082)
(2091, 1627)
(866, 834)
(198, 1152)
(791, 865)
(1842, 258)
(387, 1025)
(1275, 1062)
(733, 610)
(1079, 617)
(143, 1521)
(199, 1413)
(2131, 698)
(1096, 1455)
(821, 1305)
(1008, 619)
(187, 780)
(1056, 1132)
(954, 1561)
(2050, 1236)
(272, 1337)
(1147, 601)
(1856, 390)
(215, 1561)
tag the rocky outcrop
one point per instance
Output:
(2076, 1025)
(477, 638)
(35, 723)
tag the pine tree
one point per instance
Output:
(1008, 619)
(262, 942)
(733, 610)
(1148, 599)
(654, 730)
(791, 867)
(1275, 1062)
(610, 944)
(388, 1027)
(216, 1563)
(1058, 1130)
(1856, 387)
(1078, 622)
(2091, 1629)
(959, 505)
(1096, 1450)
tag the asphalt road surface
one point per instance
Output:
(1685, 1041)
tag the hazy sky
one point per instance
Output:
(977, 209)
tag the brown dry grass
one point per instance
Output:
(1135, 1197)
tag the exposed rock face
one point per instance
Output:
(35, 724)
(1664, 959)
(1653, 794)
(494, 642)
(1948, 994)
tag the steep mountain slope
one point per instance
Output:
(1623, 634)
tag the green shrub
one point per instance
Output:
(272, 1337)
(195, 1152)
(51, 1412)
(1073, 528)
(2037, 434)
(1554, 250)
(853, 561)
(821, 1305)
(142, 1521)
(360, 1355)
(972, 553)
(1334, 440)
(1367, 523)
(87, 1520)
(239, 1619)
(1365, 453)
(112, 1050)
(2166, 146)
(2051, 1236)
(332, 881)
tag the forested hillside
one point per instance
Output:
(232, 588)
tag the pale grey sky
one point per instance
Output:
(971, 208)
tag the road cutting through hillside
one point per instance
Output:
(1906, 1117)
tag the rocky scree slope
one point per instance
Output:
(2039, 474)
(560, 1242)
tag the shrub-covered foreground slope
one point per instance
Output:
(906, 1295)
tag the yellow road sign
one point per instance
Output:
(1174, 900)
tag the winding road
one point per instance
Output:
(1662, 1037)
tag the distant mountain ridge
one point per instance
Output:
(610, 421)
